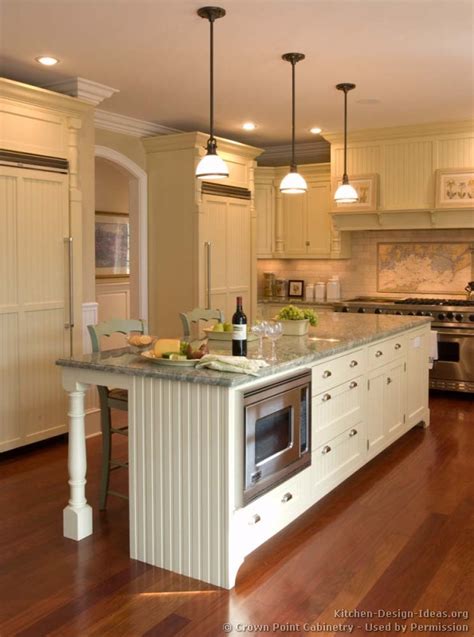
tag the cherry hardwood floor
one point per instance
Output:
(396, 536)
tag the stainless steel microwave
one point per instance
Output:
(277, 426)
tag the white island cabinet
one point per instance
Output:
(186, 438)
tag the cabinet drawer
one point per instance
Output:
(386, 351)
(269, 514)
(334, 461)
(336, 410)
(334, 372)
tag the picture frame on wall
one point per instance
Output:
(367, 189)
(295, 289)
(454, 188)
(112, 245)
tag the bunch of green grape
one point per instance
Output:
(293, 313)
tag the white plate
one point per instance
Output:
(166, 361)
(224, 336)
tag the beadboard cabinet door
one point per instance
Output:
(34, 293)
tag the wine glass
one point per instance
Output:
(274, 331)
(260, 330)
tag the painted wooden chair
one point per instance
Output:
(197, 315)
(111, 399)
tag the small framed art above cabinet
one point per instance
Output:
(297, 226)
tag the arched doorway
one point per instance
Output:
(121, 186)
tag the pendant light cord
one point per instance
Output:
(211, 48)
(293, 106)
(344, 177)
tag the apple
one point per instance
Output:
(227, 327)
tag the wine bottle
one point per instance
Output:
(239, 331)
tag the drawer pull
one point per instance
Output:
(353, 364)
(255, 477)
(255, 519)
(327, 373)
(287, 497)
(378, 353)
(397, 345)
(326, 450)
(353, 384)
(389, 380)
(352, 432)
(326, 397)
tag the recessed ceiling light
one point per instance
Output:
(47, 60)
(315, 130)
(249, 126)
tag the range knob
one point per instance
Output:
(458, 317)
(450, 316)
(471, 317)
(345, 308)
(420, 313)
(398, 312)
(441, 316)
(411, 313)
(429, 313)
(361, 310)
(378, 310)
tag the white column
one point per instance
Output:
(77, 516)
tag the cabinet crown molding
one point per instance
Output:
(400, 132)
(36, 96)
(85, 90)
(129, 125)
(198, 140)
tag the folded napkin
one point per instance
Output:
(238, 364)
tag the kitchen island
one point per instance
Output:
(186, 437)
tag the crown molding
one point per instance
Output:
(34, 95)
(129, 125)
(399, 132)
(85, 90)
(310, 153)
(198, 140)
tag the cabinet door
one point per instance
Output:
(34, 219)
(264, 198)
(294, 224)
(319, 221)
(394, 400)
(376, 431)
(417, 377)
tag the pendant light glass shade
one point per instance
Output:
(293, 183)
(345, 192)
(211, 165)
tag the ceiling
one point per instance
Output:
(413, 57)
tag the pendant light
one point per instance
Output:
(345, 192)
(293, 182)
(211, 165)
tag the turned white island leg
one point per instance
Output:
(77, 516)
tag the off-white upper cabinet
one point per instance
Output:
(297, 226)
(403, 162)
(201, 235)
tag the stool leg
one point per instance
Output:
(105, 418)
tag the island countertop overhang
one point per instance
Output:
(335, 334)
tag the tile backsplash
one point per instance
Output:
(358, 275)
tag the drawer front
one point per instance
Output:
(336, 410)
(387, 351)
(336, 371)
(334, 461)
(269, 514)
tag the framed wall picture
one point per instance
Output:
(112, 245)
(367, 189)
(454, 188)
(295, 289)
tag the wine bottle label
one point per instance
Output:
(239, 332)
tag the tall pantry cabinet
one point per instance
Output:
(41, 219)
(201, 234)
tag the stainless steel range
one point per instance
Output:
(453, 319)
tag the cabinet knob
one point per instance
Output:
(326, 450)
(353, 364)
(378, 353)
(397, 345)
(353, 384)
(327, 373)
(255, 519)
(287, 497)
(389, 380)
(308, 243)
(352, 432)
(326, 397)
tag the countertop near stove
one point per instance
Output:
(335, 334)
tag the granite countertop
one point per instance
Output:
(274, 300)
(334, 334)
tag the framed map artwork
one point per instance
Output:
(112, 245)
(424, 268)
